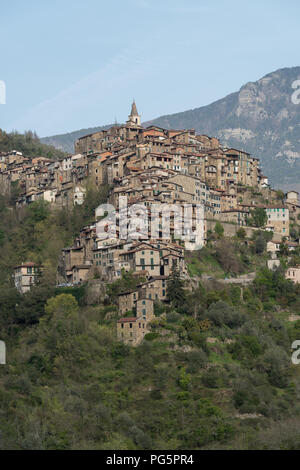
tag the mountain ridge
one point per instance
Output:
(65, 142)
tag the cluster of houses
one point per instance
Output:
(147, 166)
(58, 182)
(107, 259)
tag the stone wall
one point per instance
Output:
(231, 229)
(95, 291)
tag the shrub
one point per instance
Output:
(151, 336)
(221, 314)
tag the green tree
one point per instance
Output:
(61, 305)
(280, 195)
(184, 379)
(127, 282)
(241, 233)
(260, 245)
(29, 144)
(60, 323)
(175, 289)
(219, 230)
(283, 249)
(258, 217)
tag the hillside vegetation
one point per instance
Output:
(215, 370)
(29, 144)
(38, 234)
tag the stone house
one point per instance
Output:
(153, 290)
(273, 246)
(292, 202)
(293, 274)
(132, 330)
(143, 259)
(145, 309)
(292, 197)
(170, 261)
(80, 273)
(278, 220)
(26, 275)
(236, 216)
(127, 301)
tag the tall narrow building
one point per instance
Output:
(134, 117)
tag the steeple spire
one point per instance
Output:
(134, 111)
(134, 117)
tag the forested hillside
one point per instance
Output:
(214, 371)
(29, 144)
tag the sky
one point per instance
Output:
(71, 64)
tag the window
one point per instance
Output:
(130, 325)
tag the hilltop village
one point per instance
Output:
(149, 166)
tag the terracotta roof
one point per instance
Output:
(127, 320)
(27, 265)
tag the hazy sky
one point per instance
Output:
(69, 64)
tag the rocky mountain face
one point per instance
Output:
(260, 118)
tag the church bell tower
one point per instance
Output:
(134, 117)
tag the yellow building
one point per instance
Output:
(26, 276)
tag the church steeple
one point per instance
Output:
(134, 111)
(134, 117)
